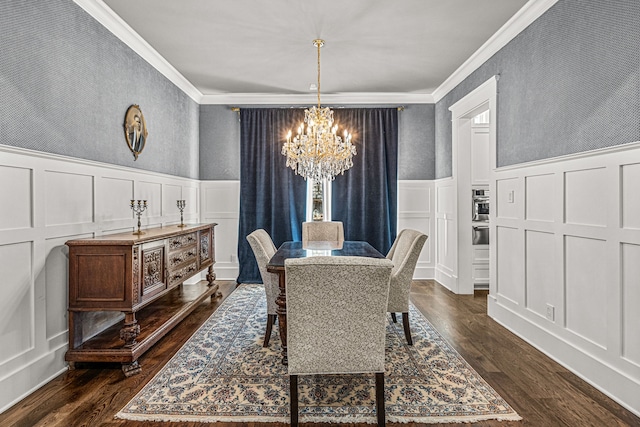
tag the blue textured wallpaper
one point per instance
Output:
(220, 141)
(569, 83)
(66, 83)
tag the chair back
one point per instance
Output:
(263, 249)
(336, 314)
(404, 253)
(315, 231)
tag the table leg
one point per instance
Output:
(281, 301)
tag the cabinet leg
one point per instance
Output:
(130, 330)
(72, 366)
(130, 369)
(211, 276)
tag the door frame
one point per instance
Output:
(482, 98)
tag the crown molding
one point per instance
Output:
(521, 20)
(514, 26)
(306, 99)
(112, 22)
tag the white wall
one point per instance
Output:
(46, 200)
(416, 210)
(567, 263)
(221, 204)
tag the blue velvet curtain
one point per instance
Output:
(272, 196)
(365, 197)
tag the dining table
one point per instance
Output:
(315, 248)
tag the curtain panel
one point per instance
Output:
(272, 196)
(365, 197)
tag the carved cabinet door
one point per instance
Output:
(153, 272)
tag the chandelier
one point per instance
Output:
(318, 152)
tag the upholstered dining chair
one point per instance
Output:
(263, 249)
(322, 231)
(404, 253)
(336, 320)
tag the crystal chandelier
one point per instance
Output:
(319, 153)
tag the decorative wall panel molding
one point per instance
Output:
(567, 253)
(53, 199)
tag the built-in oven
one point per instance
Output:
(480, 234)
(480, 227)
(480, 199)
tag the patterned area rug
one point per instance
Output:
(224, 374)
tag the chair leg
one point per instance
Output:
(271, 318)
(380, 398)
(407, 331)
(293, 399)
(393, 317)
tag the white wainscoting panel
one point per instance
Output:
(446, 226)
(76, 207)
(415, 201)
(581, 205)
(631, 303)
(630, 196)
(151, 191)
(510, 274)
(539, 193)
(585, 275)
(221, 204)
(114, 192)
(18, 213)
(16, 305)
(55, 199)
(540, 275)
(571, 245)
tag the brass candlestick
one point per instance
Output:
(138, 208)
(181, 205)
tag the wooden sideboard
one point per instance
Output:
(140, 276)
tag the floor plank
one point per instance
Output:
(544, 393)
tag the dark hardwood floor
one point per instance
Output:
(541, 391)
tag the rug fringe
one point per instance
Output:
(200, 419)
(454, 419)
(318, 419)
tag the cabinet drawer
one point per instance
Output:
(177, 258)
(179, 275)
(179, 242)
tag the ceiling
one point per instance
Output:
(374, 49)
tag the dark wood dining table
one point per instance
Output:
(296, 250)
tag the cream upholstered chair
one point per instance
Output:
(263, 249)
(404, 253)
(336, 320)
(322, 231)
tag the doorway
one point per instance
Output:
(474, 162)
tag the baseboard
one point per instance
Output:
(446, 279)
(604, 377)
(226, 272)
(16, 382)
(423, 273)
